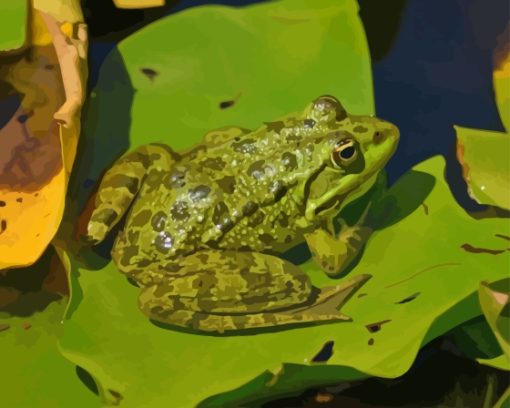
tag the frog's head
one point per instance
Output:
(349, 152)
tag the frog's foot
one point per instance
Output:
(335, 252)
(120, 185)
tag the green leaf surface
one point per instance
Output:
(485, 159)
(421, 288)
(13, 17)
(34, 373)
(262, 62)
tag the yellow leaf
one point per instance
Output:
(43, 96)
(133, 4)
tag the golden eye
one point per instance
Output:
(345, 152)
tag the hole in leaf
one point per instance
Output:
(87, 379)
(325, 353)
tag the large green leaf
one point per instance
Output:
(34, 373)
(427, 259)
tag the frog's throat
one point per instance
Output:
(332, 202)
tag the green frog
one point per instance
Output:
(205, 227)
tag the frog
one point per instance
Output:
(206, 229)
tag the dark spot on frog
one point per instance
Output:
(158, 221)
(19, 200)
(256, 219)
(309, 123)
(288, 239)
(275, 126)
(256, 170)
(215, 163)
(227, 104)
(476, 250)
(289, 161)
(266, 238)
(278, 190)
(199, 193)
(117, 395)
(142, 218)
(2, 203)
(249, 208)
(106, 216)
(36, 194)
(221, 217)
(122, 180)
(3, 226)
(379, 137)
(425, 208)
(324, 353)
(49, 67)
(227, 184)
(245, 146)
(175, 179)
(149, 73)
(371, 342)
(283, 219)
(375, 327)
(163, 242)
(360, 129)
(293, 138)
(179, 211)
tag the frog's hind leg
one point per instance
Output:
(218, 291)
(324, 309)
(120, 184)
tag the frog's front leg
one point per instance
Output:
(120, 184)
(227, 290)
(335, 252)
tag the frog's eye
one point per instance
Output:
(330, 107)
(345, 152)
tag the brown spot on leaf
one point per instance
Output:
(360, 295)
(226, 104)
(2, 203)
(3, 226)
(476, 250)
(408, 298)
(4, 327)
(371, 342)
(26, 326)
(375, 327)
(425, 208)
(506, 237)
(19, 200)
(149, 73)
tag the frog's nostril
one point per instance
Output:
(379, 136)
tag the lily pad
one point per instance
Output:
(421, 288)
(485, 159)
(34, 373)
